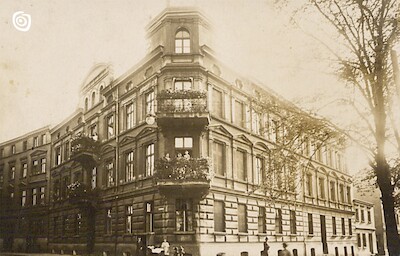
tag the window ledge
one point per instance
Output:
(184, 232)
(219, 233)
(243, 233)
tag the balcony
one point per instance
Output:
(183, 108)
(86, 151)
(82, 195)
(183, 177)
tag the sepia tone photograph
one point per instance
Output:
(200, 127)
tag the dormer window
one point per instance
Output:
(182, 41)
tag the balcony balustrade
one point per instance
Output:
(86, 151)
(183, 176)
(182, 108)
(82, 195)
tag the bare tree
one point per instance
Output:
(366, 31)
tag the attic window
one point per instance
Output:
(182, 41)
(129, 86)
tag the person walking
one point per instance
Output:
(266, 248)
(285, 251)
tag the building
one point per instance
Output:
(24, 190)
(365, 227)
(177, 148)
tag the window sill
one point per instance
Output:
(243, 233)
(218, 233)
(184, 232)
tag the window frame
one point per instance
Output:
(182, 42)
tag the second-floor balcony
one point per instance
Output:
(183, 176)
(82, 195)
(85, 150)
(182, 108)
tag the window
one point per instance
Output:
(309, 184)
(150, 160)
(44, 139)
(371, 247)
(182, 85)
(78, 223)
(362, 215)
(310, 224)
(149, 210)
(93, 98)
(86, 104)
(24, 145)
(242, 218)
(24, 170)
(334, 231)
(129, 116)
(129, 219)
(35, 167)
(13, 149)
(260, 172)
(336, 251)
(262, 224)
(357, 214)
(64, 184)
(348, 193)
(56, 190)
(219, 158)
(341, 193)
(256, 126)
(12, 172)
(110, 126)
(23, 198)
(184, 215)
(66, 150)
(217, 103)
(150, 103)
(34, 196)
(110, 173)
(359, 240)
(333, 190)
(43, 165)
(94, 177)
(369, 215)
(278, 221)
(293, 226)
(343, 227)
(239, 114)
(58, 155)
(350, 228)
(41, 196)
(183, 145)
(182, 41)
(129, 166)
(364, 239)
(321, 182)
(35, 142)
(219, 216)
(241, 165)
(108, 224)
(345, 251)
(129, 86)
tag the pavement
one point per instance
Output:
(31, 254)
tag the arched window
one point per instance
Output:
(86, 104)
(93, 98)
(182, 41)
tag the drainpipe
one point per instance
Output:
(116, 165)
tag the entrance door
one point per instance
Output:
(323, 235)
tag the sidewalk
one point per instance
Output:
(30, 254)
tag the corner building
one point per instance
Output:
(175, 148)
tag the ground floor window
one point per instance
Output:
(184, 215)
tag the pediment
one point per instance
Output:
(107, 148)
(145, 131)
(221, 129)
(38, 152)
(127, 139)
(243, 138)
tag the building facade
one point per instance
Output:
(178, 148)
(365, 228)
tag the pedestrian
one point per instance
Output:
(165, 247)
(285, 252)
(266, 248)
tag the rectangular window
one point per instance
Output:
(371, 247)
(24, 170)
(278, 221)
(150, 160)
(262, 224)
(129, 116)
(35, 167)
(369, 215)
(341, 193)
(129, 219)
(110, 126)
(43, 165)
(24, 145)
(149, 210)
(108, 220)
(293, 226)
(183, 146)
(333, 190)
(362, 215)
(260, 171)
(219, 158)
(310, 224)
(184, 215)
(58, 155)
(150, 103)
(334, 231)
(219, 216)
(343, 227)
(350, 228)
(241, 165)
(44, 139)
(35, 142)
(183, 85)
(242, 218)
(23, 198)
(348, 193)
(34, 196)
(41, 196)
(12, 172)
(65, 183)
(13, 149)
(94, 177)
(321, 182)
(256, 123)
(66, 150)
(129, 166)
(239, 114)
(309, 184)
(110, 173)
(78, 223)
(359, 240)
(357, 215)
(364, 239)
(217, 103)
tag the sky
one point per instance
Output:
(42, 69)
